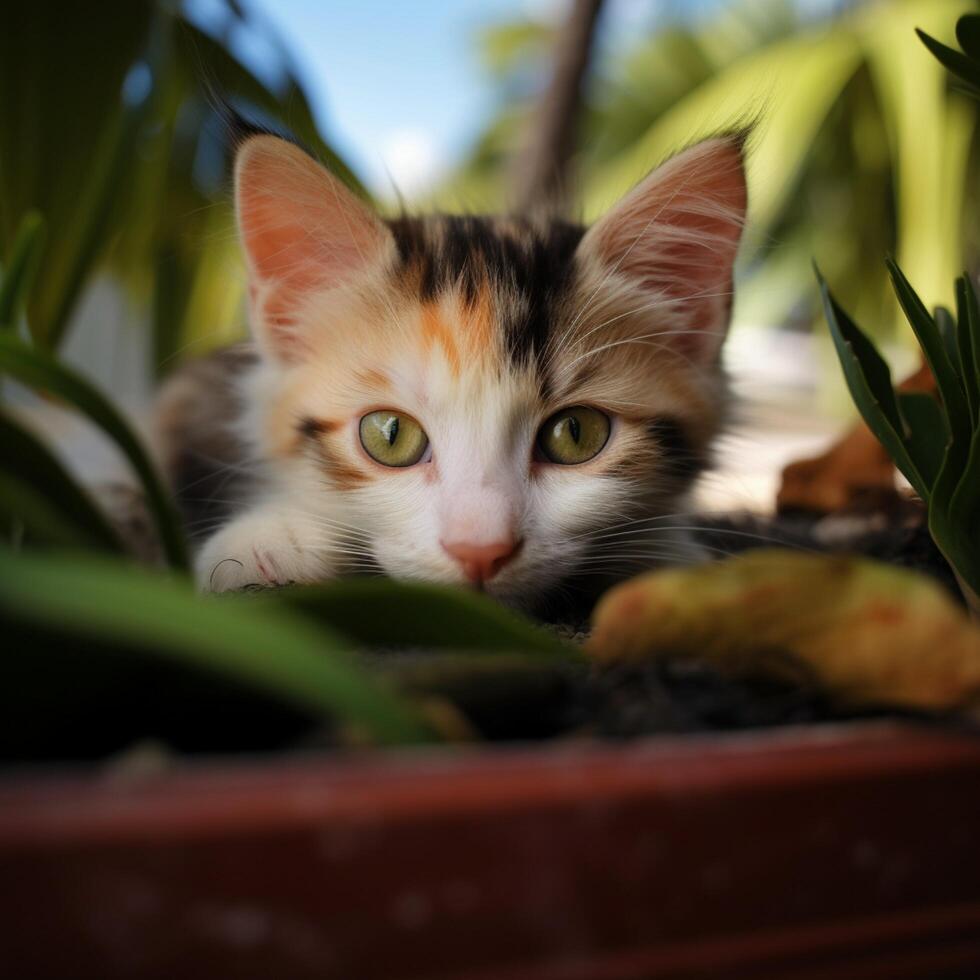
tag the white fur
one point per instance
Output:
(481, 484)
(481, 430)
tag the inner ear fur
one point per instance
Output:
(676, 234)
(302, 230)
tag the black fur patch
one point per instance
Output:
(311, 428)
(681, 456)
(469, 252)
(548, 270)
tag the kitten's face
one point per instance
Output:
(488, 400)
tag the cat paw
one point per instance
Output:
(257, 551)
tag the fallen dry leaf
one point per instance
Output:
(870, 633)
(855, 474)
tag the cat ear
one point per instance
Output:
(302, 231)
(676, 235)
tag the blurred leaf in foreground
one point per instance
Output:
(41, 502)
(871, 634)
(86, 637)
(19, 270)
(379, 613)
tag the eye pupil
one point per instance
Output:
(392, 439)
(574, 429)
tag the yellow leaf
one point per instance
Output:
(870, 633)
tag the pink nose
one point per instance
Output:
(480, 562)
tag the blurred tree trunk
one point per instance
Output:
(540, 171)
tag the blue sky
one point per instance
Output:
(397, 84)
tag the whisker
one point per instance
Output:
(640, 340)
(662, 301)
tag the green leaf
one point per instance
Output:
(927, 432)
(929, 133)
(153, 618)
(39, 370)
(963, 67)
(58, 133)
(37, 492)
(933, 348)
(870, 383)
(20, 269)
(945, 520)
(95, 206)
(947, 333)
(27, 518)
(815, 67)
(381, 612)
(968, 35)
(964, 517)
(968, 342)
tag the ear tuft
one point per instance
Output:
(677, 233)
(302, 231)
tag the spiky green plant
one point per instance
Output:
(965, 64)
(935, 442)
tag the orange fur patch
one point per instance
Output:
(472, 336)
(435, 331)
(343, 475)
(372, 378)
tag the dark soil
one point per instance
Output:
(906, 543)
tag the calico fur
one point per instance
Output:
(479, 328)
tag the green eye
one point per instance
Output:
(393, 439)
(573, 435)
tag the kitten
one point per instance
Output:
(504, 402)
